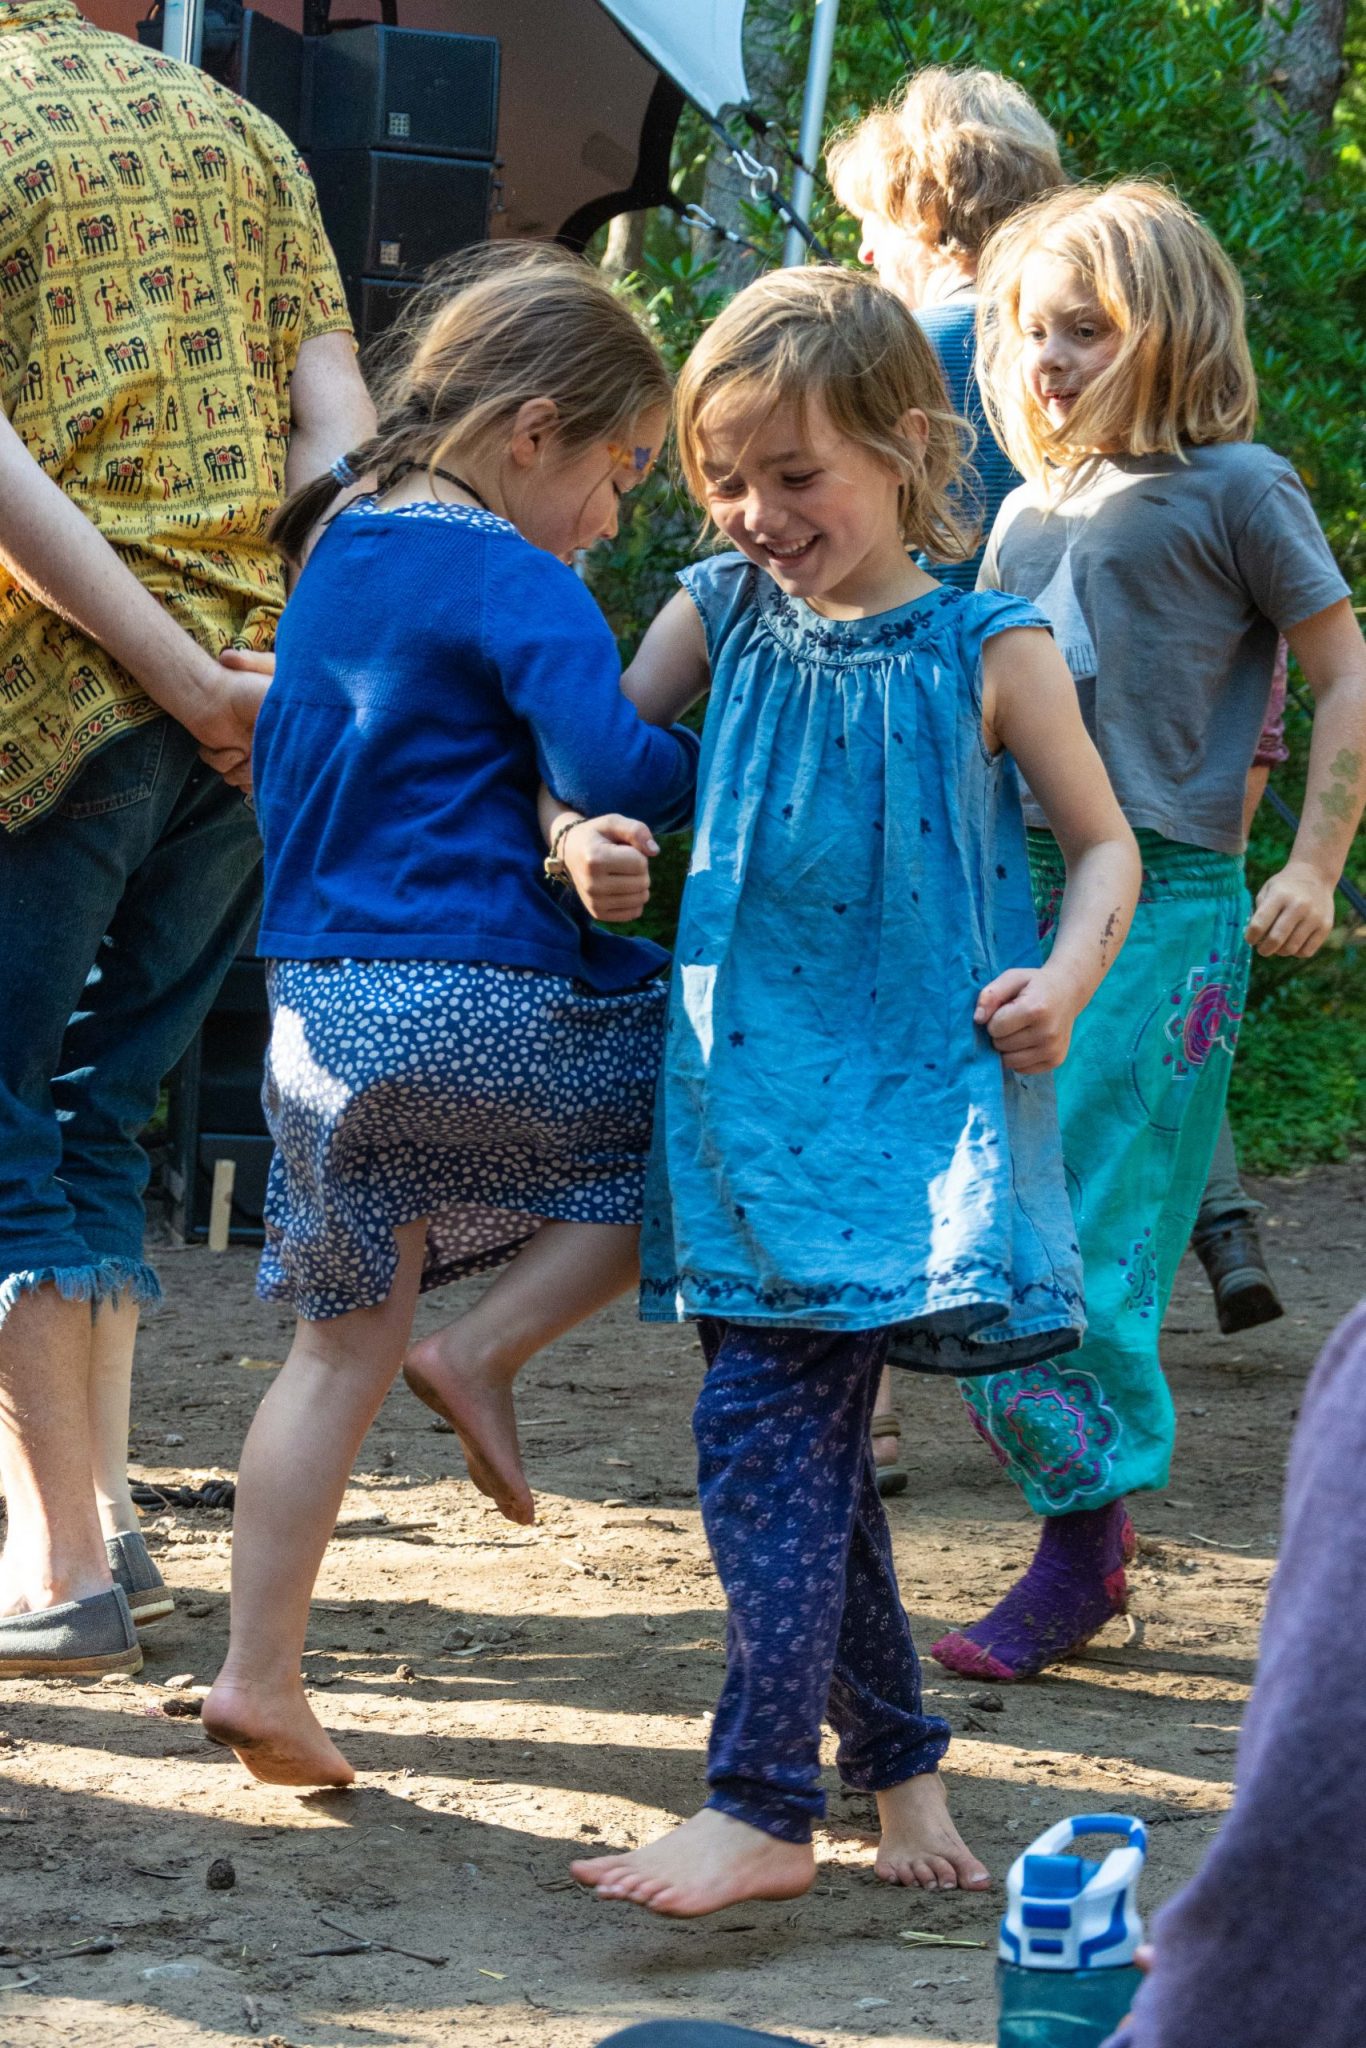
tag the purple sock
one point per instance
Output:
(1073, 1587)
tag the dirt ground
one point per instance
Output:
(512, 1696)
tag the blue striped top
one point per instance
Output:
(952, 328)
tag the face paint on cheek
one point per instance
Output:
(640, 461)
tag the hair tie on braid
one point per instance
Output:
(342, 473)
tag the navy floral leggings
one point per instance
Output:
(802, 1548)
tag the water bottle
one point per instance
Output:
(1066, 1975)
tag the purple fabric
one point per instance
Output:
(1271, 747)
(1271, 1933)
(1074, 1585)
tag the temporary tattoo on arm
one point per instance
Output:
(1107, 937)
(1338, 801)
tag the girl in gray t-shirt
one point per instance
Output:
(1167, 550)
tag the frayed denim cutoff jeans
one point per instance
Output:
(120, 912)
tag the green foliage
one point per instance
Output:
(1298, 1093)
(1175, 90)
(1178, 90)
(1299, 1082)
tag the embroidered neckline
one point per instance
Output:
(849, 643)
(432, 508)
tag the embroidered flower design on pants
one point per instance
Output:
(1056, 1427)
(1139, 1266)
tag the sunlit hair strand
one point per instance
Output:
(953, 155)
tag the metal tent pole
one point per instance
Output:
(182, 30)
(813, 121)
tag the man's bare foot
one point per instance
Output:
(710, 1862)
(276, 1735)
(477, 1403)
(920, 1844)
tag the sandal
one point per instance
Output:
(892, 1476)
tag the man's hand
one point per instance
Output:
(240, 680)
(609, 864)
(1294, 912)
(1029, 1016)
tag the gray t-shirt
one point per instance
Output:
(1167, 583)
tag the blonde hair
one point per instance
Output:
(952, 157)
(834, 335)
(494, 327)
(1183, 372)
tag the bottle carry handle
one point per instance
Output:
(1061, 1837)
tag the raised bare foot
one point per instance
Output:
(920, 1844)
(477, 1403)
(710, 1862)
(275, 1734)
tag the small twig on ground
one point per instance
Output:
(167, 1876)
(391, 1948)
(378, 1525)
(1215, 1542)
(921, 1938)
(98, 1945)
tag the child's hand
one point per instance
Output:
(1294, 912)
(250, 661)
(609, 864)
(1029, 1016)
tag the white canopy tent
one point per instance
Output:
(704, 55)
(700, 48)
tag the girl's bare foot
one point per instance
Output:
(710, 1862)
(275, 1734)
(920, 1844)
(477, 1403)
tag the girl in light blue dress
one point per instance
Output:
(855, 1139)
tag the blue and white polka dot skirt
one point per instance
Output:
(488, 1099)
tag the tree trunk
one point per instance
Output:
(625, 249)
(1305, 72)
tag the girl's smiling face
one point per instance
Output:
(814, 508)
(1068, 340)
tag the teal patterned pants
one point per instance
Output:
(1140, 1099)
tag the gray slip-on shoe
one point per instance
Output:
(147, 1594)
(75, 1639)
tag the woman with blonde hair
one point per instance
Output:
(1168, 550)
(929, 176)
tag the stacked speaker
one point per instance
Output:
(400, 129)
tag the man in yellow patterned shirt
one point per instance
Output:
(175, 354)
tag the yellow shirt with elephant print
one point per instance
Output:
(161, 262)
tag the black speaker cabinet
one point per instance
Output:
(215, 1109)
(378, 301)
(390, 216)
(270, 69)
(404, 89)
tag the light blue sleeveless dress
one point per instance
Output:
(836, 1145)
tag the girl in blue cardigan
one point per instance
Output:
(461, 1068)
